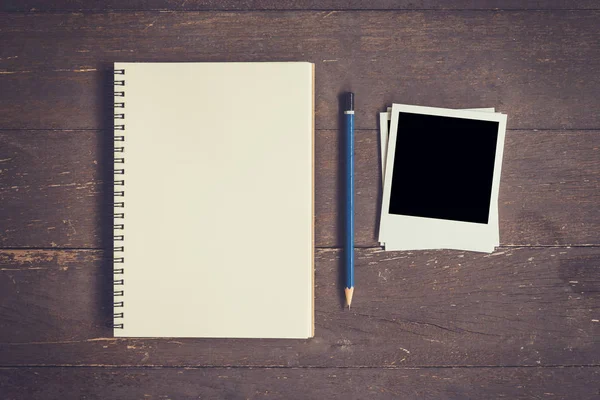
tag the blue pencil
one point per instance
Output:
(349, 244)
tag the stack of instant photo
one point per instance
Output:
(441, 177)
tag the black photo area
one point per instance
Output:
(443, 167)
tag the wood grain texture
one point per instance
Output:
(521, 306)
(54, 65)
(236, 5)
(56, 188)
(549, 193)
(521, 323)
(224, 383)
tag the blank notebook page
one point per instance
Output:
(218, 200)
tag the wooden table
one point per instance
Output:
(522, 322)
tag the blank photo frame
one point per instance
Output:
(391, 244)
(442, 178)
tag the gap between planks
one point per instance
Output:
(283, 367)
(281, 10)
(366, 247)
(523, 130)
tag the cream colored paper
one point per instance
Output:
(218, 200)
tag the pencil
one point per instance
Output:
(349, 243)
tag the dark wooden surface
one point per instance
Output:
(537, 66)
(251, 5)
(523, 322)
(300, 384)
(519, 306)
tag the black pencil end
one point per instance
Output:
(349, 103)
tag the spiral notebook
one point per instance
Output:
(214, 200)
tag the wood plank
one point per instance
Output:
(54, 65)
(237, 5)
(521, 306)
(291, 383)
(56, 189)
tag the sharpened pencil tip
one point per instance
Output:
(349, 292)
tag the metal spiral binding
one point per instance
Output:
(119, 203)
